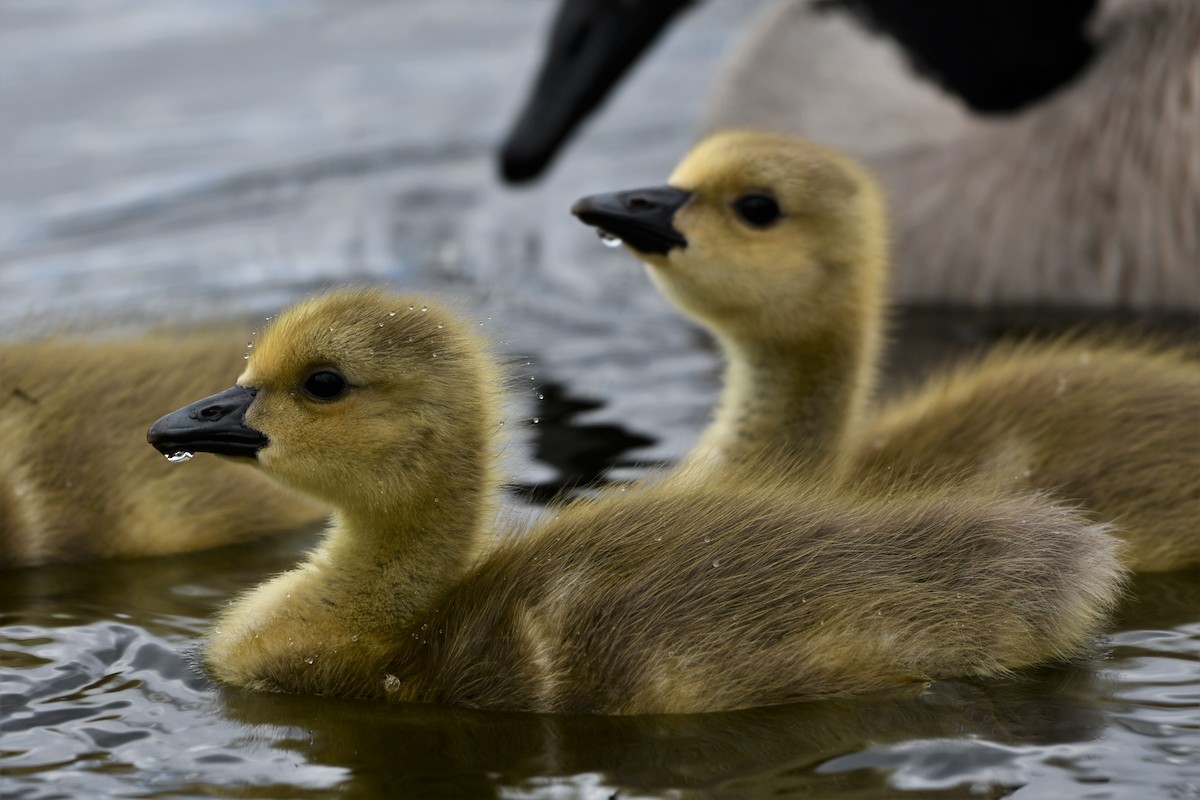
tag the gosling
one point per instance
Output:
(661, 599)
(76, 482)
(778, 246)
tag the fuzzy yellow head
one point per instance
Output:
(362, 378)
(358, 398)
(774, 235)
(779, 230)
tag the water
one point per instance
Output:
(609, 240)
(193, 159)
(101, 699)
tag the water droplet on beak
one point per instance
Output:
(182, 455)
(609, 239)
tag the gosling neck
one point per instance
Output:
(332, 623)
(796, 398)
(402, 551)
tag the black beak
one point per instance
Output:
(215, 424)
(592, 44)
(641, 218)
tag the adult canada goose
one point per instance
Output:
(1071, 177)
(76, 482)
(778, 247)
(657, 599)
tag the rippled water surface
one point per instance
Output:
(184, 159)
(101, 699)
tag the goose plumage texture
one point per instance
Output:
(76, 481)
(1082, 191)
(796, 303)
(663, 598)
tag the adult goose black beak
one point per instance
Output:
(216, 424)
(592, 44)
(996, 56)
(641, 218)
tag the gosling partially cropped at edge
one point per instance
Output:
(76, 481)
(661, 599)
(778, 247)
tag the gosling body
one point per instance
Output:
(1115, 428)
(795, 299)
(689, 600)
(662, 599)
(76, 481)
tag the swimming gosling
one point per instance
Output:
(778, 246)
(76, 482)
(660, 599)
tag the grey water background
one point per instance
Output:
(182, 160)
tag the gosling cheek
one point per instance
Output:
(275, 461)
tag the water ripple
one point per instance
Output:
(126, 701)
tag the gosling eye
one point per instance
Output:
(325, 385)
(757, 210)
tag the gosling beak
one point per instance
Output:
(641, 218)
(215, 424)
(592, 44)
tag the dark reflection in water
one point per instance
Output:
(580, 453)
(1162, 601)
(759, 752)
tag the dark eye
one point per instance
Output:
(325, 385)
(759, 210)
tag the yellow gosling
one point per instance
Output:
(76, 481)
(778, 246)
(661, 599)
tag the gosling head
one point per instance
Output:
(358, 397)
(756, 235)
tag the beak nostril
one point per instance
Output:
(212, 413)
(641, 204)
